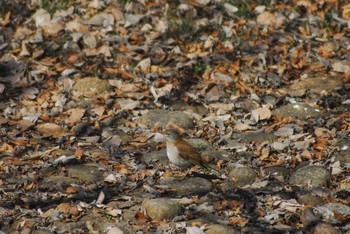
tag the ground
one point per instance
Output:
(260, 88)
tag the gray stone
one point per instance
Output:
(336, 213)
(297, 110)
(199, 144)
(155, 157)
(247, 105)
(84, 173)
(314, 175)
(162, 208)
(258, 137)
(342, 108)
(165, 117)
(183, 106)
(220, 229)
(59, 180)
(325, 228)
(92, 86)
(279, 173)
(190, 186)
(316, 84)
(242, 175)
(311, 200)
(343, 156)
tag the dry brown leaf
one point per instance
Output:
(141, 217)
(71, 190)
(75, 115)
(69, 209)
(29, 187)
(261, 113)
(238, 221)
(6, 147)
(51, 129)
(266, 18)
(346, 11)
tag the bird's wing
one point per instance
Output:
(188, 152)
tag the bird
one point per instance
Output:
(181, 153)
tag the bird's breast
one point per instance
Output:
(174, 156)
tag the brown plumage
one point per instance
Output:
(181, 153)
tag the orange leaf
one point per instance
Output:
(71, 190)
(261, 213)
(29, 187)
(141, 217)
(78, 153)
(6, 147)
(239, 221)
(20, 142)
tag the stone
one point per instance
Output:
(221, 229)
(258, 137)
(335, 213)
(242, 175)
(297, 110)
(325, 228)
(278, 173)
(312, 174)
(190, 186)
(155, 157)
(311, 200)
(316, 84)
(91, 86)
(84, 173)
(162, 208)
(199, 144)
(50, 181)
(343, 155)
(165, 117)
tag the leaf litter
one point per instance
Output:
(266, 84)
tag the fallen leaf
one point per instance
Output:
(266, 18)
(51, 129)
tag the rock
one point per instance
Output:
(317, 84)
(335, 213)
(316, 175)
(242, 175)
(324, 228)
(311, 200)
(343, 156)
(92, 219)
(100, 222)
(39, 232)
(342, 108)
(165, 117)
(162, 208)
(258, 137)
(91, 86)
(190, 186)
(199, 144)
(54, 181)
(183, 106)
(220, 229)
(84, 173)
(297, 110)
(155, 156)
(308, 216)
(278, 173)
(247, 105)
